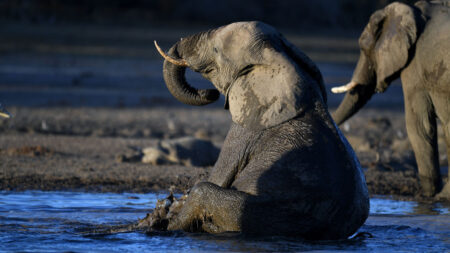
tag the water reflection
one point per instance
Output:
(43, 221)
(395, 207)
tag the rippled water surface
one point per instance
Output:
(55, 221)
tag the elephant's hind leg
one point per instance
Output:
(211, 209)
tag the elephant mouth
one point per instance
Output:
(178, 62)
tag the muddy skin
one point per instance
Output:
(282, 149)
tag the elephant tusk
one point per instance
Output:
(181, 62)
(344, 88)
(4, 113)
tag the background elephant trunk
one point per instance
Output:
(355, 99)
(174, 76)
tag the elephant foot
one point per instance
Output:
(165, 210)
(430, 186)
(444, 195)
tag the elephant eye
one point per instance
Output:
(205, 69)
(247, 69)
(208, 70)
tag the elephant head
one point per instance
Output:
(265, 79)
(386, 47)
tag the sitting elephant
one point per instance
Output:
(284, 168)
(412, 42)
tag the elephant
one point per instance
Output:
(284, 168)
(413, 43)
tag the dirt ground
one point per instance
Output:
(80, 102)
(78, 149)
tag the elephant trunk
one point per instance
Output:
(362, 88)
(174, 76)
(353, 101)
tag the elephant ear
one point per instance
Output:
(395, 34)
(276, 89)
(306, 64)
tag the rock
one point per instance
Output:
(30, 151)
(401, 145)
(188, 151)
(133, 155)
(359, 144)
(202, 134)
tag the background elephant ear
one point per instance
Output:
(396, 36)
(276, 90)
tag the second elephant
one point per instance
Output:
(411, 42)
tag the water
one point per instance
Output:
(54, 221)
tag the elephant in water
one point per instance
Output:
(284, 168)
(411, 42)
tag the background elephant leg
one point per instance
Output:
(421, 127)
(445, 193)
(212, 209)
(447, 142)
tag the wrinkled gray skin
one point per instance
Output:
(284, 168)
(411, 42)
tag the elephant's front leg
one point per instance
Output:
(421, 127)
(211, 206)
(233, 155)
(211, 209)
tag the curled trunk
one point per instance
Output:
(174, 76)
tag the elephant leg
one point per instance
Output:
(211, 209)
(421, 128)
(445, 193)
(442, 106)
(232, 155)
(447, 142)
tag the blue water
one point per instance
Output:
(55, 221)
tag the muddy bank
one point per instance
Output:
(77, 149)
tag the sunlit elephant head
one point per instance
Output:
(266, 80)
(386, 46)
